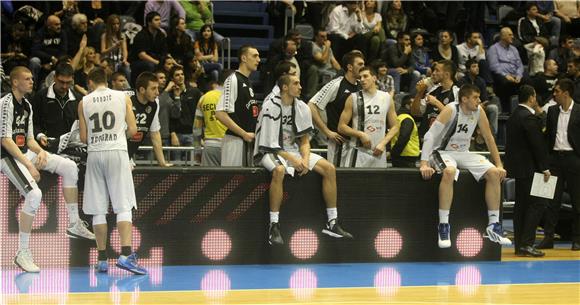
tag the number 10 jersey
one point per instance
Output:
(104, 111)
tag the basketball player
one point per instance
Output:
(238, 110)
(369, 109)
(283, 147)
(146, 109)
(22, 157)
(445, 148)
(106, 120)
(331, 98)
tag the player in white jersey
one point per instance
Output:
(370, 110)
(446, 148)
(106, 120)
(283, 147)
(22, 158)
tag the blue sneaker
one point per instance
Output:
(130, 264)
(444, 241)
(495, 233)
(102, 266)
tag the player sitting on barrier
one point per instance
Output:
(22, 157)
(283, 147)
(445, 148)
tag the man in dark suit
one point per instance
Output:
(526, 153)
(563, 131)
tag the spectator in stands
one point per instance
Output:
(448, 154)
(531, 26)
(165, 106)
(238, 110)
(366, 128)
(331, 98)
(197, 13)
(97, 11)
(490, 104)
(506, 67)
(15, 47)
(114, 45)
(553, 23)
(374, 34)
(69, 9)
(563, 139)
(213, 130)
(399, 58)
(166, 9)
(186, 99)
(569, 12)
(48, 44)
(88, 62)
(421, 55)
(79, 29)
(545, 81)
(344, 27)
(149, 46)
(434, 93)
(108, 66)
(119, 82)
(194, 72)
(573, 73)
(324, 59)
(385, 82)
(180, 45)
(536, 54)
(167, 63)
(395, 20)
(405, 144)
(473, 48)
(55, 107)
(206, 52)
(282, 68)
(288, 152)
(563, 53)
(445, 49)
(146, 111)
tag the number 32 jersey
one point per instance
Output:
(104, 111)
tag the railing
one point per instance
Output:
(288, 14)
(226, 43)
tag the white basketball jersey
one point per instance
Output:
(104, 110)
(369, 116)
(460, 140)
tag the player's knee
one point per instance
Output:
(278, 173)
(32, 201)
(70, 173)
(492, 174)
(328, 169)
(99, 220)
(449, 172)
(125, 216)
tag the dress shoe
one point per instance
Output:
(529, 251)
(546, 243)
(576, 246)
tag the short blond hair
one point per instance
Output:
(17, 71)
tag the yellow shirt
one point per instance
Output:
(412, 147)
(214, 129)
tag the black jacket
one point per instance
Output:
(527, 31)
(52, 118)
(573, 127)
(525, 150)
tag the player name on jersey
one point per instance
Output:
(105, 137)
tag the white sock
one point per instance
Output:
(23, 240)
(274, 216)
(493, 216)
(332, 213)
(443, 216)
(73, 212)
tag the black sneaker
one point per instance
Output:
(335, 230)
(274, 236)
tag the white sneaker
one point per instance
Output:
(25, 261)
(495, 233)
(80, 230)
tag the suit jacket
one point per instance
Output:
(573, 127)
(525, 151)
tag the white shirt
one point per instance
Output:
(529, 108)
(562, 143)
(341, 23)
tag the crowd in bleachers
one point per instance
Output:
(511, 44)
